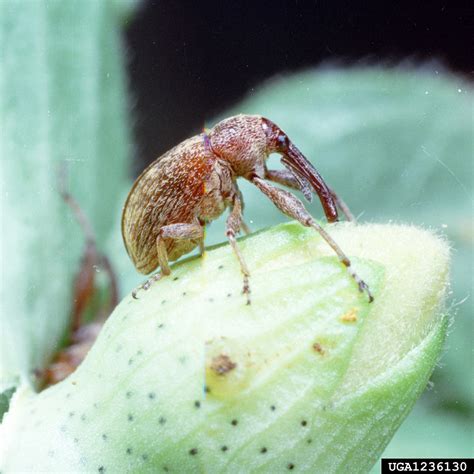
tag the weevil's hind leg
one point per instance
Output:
(293, 207)
(340, 203)
(175, 232)
(233, 225)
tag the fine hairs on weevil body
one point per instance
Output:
(196, 181)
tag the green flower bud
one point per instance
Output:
(310, 377)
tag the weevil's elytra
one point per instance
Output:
(196, 181)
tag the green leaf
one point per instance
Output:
(190, 378)
(62, 99)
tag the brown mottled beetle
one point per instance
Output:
(194, 182)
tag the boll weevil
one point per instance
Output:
(196, 181)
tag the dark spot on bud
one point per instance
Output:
(71, 414)
(229, 295)
(273, 408)
(220, 267)
(83, 417)
(222, 364)
(304, 423)
(290, 466)
(263, 450)
(175, 278)
(234, 422)
(151, 395)
(128, 394)
(101, 469)
(129, 451)
(162, 421)
(224, 449)
(130, 361)
(309, 441)
(163, 301)
(145, 457)
(318, 348)
(193, 452)
(161, 326)
(197, 404)
(130, 417)
(184, 293)
(104, 437)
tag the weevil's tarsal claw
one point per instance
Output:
(146, 285)
(246, 289)
(295, 161)
(363, 287)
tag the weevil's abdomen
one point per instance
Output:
(169, 191)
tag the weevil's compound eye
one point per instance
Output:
(282, 142)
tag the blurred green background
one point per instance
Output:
(395, 142)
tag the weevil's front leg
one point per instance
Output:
(288, 179)
(340, 203)
(175, 232)
(234, 223)
(293, 207)
(283, 177)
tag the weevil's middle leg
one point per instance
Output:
(243, 225)
(234, 223)
(293, 207)
(175, 232)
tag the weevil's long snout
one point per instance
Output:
(298, 164)
(304, 171)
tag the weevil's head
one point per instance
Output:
(246, 141)
(242, 143)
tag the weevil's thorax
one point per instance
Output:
(241, 142)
